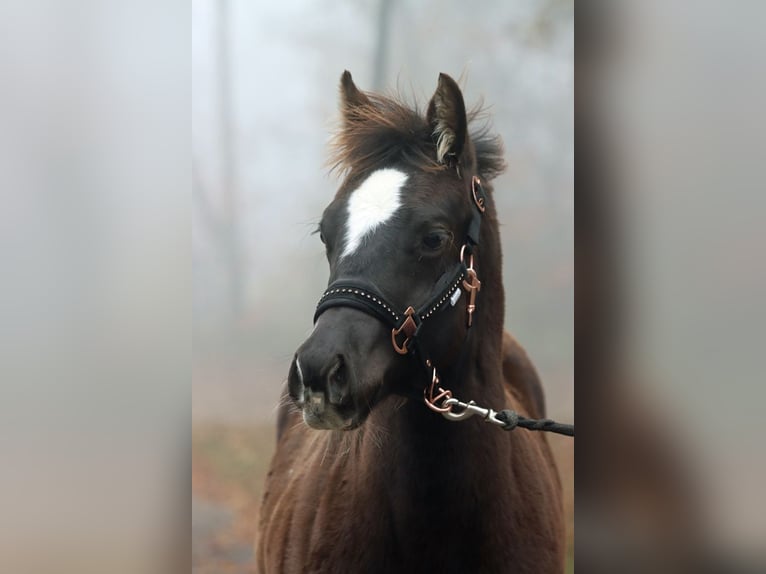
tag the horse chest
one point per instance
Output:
(330, 517)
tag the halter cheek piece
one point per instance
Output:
(406, 326)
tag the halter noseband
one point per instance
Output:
(405, 326)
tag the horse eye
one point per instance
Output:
(435, 240)
(321, 238)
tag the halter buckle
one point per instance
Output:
(409, 327)
(478, 194)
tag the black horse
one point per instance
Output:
(365, 477)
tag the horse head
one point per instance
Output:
(395, 235)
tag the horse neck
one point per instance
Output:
(417, 462)
(419, 437)
(479, 375)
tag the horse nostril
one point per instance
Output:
(316, 374)
(337, 381)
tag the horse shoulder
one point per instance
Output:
(521, 377)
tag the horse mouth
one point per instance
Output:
(321, 414)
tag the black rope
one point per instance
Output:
(512, 419)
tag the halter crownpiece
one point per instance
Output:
(480, 203)
(477, 191)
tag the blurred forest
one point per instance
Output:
(265, 87)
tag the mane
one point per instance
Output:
(388, 130)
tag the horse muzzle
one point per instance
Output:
(337, 373)
(321, 390)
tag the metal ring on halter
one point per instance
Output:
(431, 400)
(469, 265)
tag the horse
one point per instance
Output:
(365, 478)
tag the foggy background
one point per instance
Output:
(265, 78)
(264, 103)
(101, 285)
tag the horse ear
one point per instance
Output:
(447, 118)
(351, 97)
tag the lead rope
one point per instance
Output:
(442, 401)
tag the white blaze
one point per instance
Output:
(298, 368)
(372, 204)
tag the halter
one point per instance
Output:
(406, 326)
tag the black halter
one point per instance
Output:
(405, 326)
